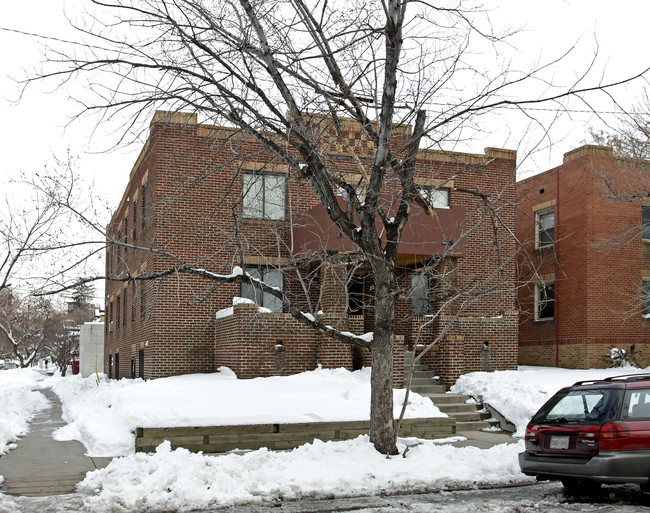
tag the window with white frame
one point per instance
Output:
(264, 196)
(271, 277)
(645, 297)
(545, 228)
(544, 301)
(437, 197)
(645, 222)
(420, 294)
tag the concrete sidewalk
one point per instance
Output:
(484, 439)
(42, 466)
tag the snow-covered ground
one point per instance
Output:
(103, 415)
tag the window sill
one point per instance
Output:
(545, 319)
(645, 241)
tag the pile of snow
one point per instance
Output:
(18, 404)
(517, 395)
(181, 481)
(103, 417)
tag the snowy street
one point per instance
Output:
(537, 498)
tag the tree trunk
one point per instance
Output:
(382, 429)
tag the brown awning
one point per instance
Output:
(423, 236)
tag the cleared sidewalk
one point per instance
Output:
(42, 466)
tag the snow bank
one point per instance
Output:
(181, 481)
(104, 417)
(18, 404)
(517, 395)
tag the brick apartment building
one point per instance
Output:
(586, 268)
(216, 199)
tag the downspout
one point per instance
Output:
(556, 246)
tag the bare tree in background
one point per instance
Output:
(268, 68)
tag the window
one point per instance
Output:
(272, 278)
(419, 294)
(141, 363)
(133, 367)
(133, 300)
(110, 366)
(545, 228)
(144, 205)
(117, 312)
(124, 311)
(356, 294)
(544, 301)
(135, 220)
(264, 196)
(645, 298)
(143, 298)
(126, 233)
(117, 366)
(437, 197)
(645, 220)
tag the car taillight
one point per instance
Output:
(532, 434)
(614, 429)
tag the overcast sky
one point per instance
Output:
(37, 128)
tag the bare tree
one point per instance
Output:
(272, 70)
(631, 138)
(27, 323)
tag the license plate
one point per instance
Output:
(559, 442)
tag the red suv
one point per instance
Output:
(591, 433)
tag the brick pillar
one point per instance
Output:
(451, 363)
(334, 299)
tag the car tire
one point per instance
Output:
(576, 486)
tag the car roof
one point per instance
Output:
(619, 381)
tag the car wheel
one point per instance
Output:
(576, 486)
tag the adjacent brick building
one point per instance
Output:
(586, 263)
(215, 199)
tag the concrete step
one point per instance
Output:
(417, 368)
(469, 416)
(459, 407)
(428, 389)
(474, 425)
(421, 374)
(419, 380)
(445, 398)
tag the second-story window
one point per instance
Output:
(264, 196)
(437, 197)
(135, 220)
(545, 228)
(145, 199)
(118, 304)
(126, 234)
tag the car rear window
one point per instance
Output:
(587, 406)
(637, 404)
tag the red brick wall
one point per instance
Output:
(600, 257)
(194, 182)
